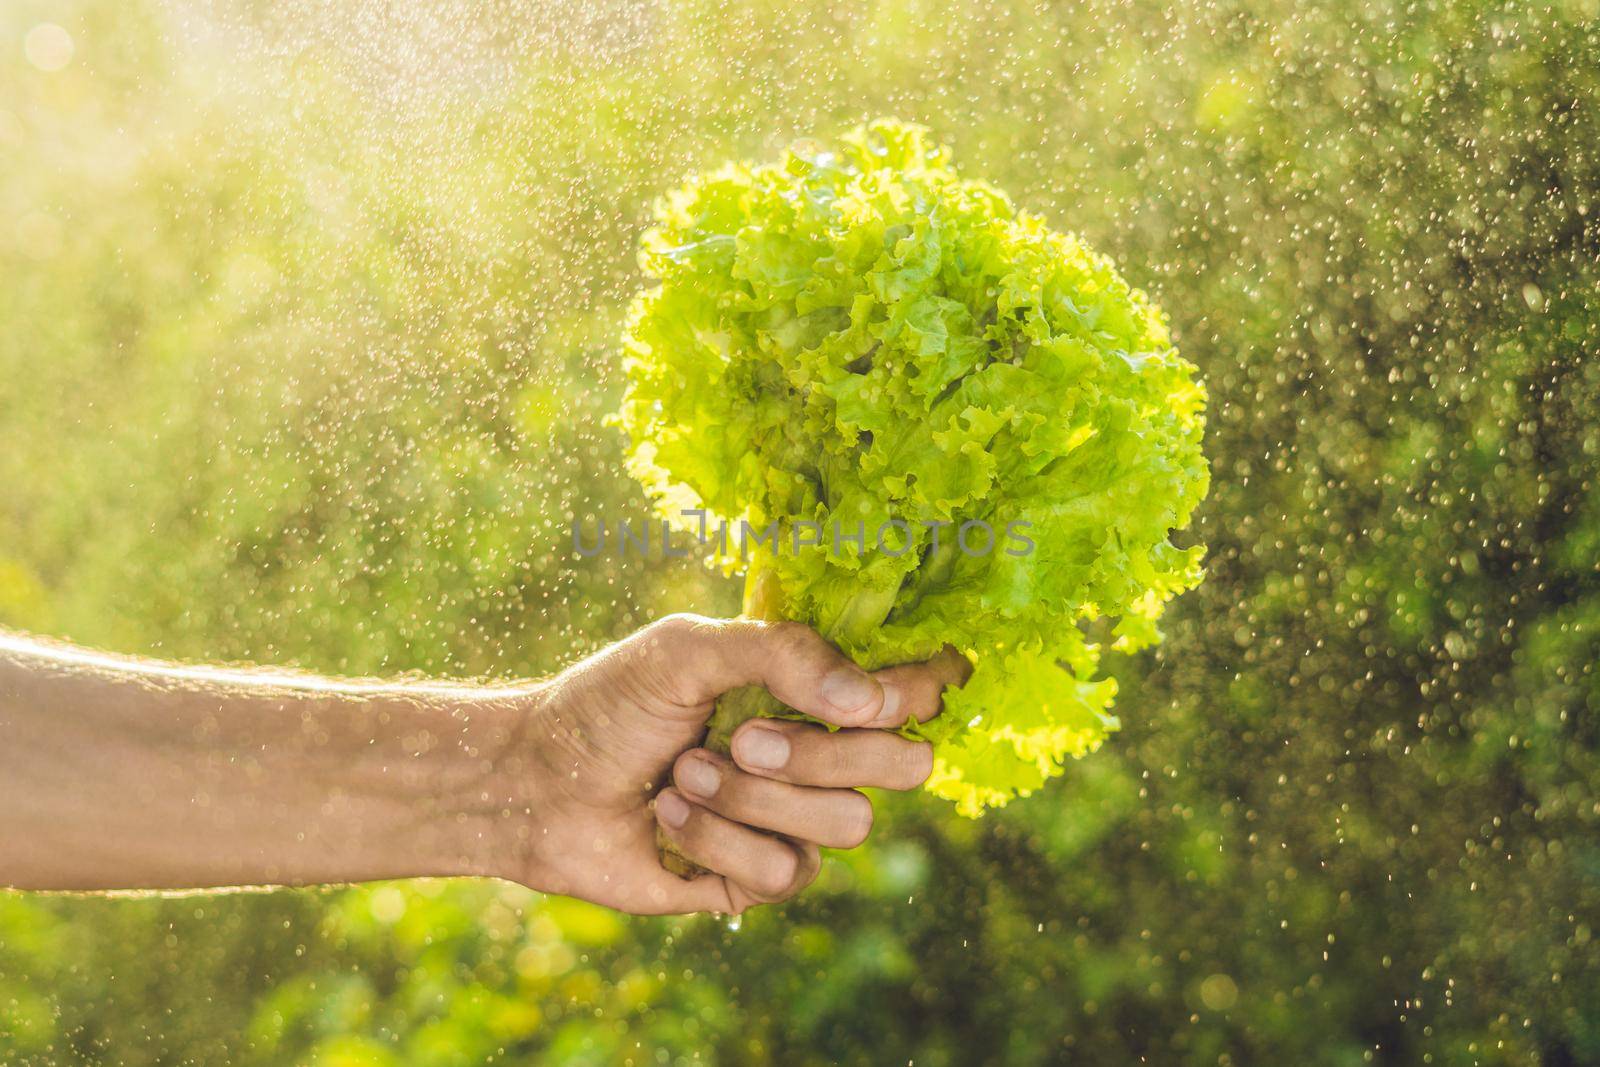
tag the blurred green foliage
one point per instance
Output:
(309, 324)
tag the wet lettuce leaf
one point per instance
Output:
(855, 335)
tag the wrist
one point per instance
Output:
(489, 798)
(440, 782)
(535, 778)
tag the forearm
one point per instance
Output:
(128, 774)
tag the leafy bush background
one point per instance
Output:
(308, 325)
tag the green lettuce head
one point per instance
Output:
(925, 418)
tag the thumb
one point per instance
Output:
(793, 662)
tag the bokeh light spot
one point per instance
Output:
(1218, 992)
(48, 47)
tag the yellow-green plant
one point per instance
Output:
(926, 417)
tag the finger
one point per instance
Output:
(666, 893)
(916, 690)
(791, 661)
(645, 887)
(767, 867)
(810, 866)
(836, 818)
(812, 755)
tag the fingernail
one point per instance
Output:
(848, 690)
(672, 809)
(762, 748)
(891, 703)
(699, 776)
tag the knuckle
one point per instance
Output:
(777, 876)
(810, 866)
(792, 639)
(666, 653)
(671, 632)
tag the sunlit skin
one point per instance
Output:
(120, 773)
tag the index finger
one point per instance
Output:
(916, 690)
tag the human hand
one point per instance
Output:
(600, 740)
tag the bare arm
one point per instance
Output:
(119, 773)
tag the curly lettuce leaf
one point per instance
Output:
(855, 335)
